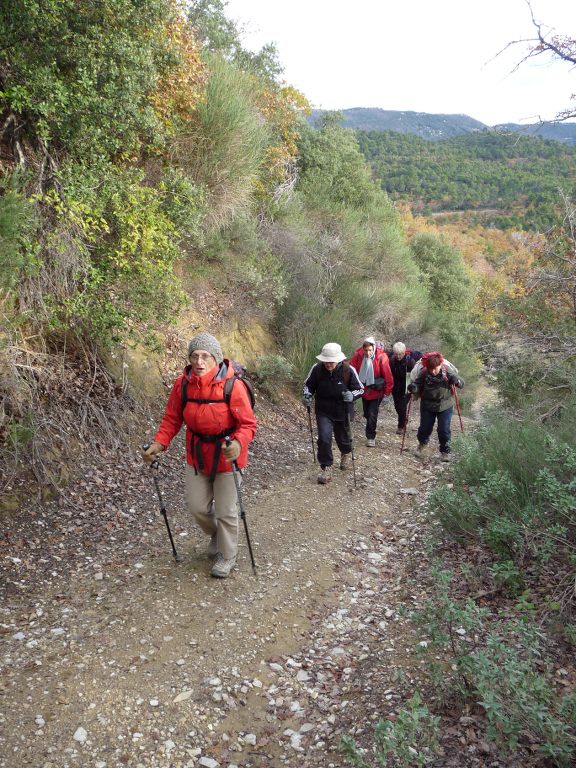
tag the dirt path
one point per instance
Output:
(114, 655)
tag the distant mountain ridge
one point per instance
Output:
(438, 127)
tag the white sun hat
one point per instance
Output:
(331, 353)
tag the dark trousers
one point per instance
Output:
(326, 427)
(400, 405)
(370, 410)
(427, 419)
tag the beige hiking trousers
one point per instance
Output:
(224, 521)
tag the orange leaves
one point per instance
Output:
(181, 88)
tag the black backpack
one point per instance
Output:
(239, 374)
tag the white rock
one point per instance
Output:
(154, 702)
(302, 676)
(19, 636)
(295, 741)
(40, 722)
(250, 738)
(208, 762)
(276, 667)
(80, 735)
(182, 696)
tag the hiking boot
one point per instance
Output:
(400, 431)
(421, 449)
(345, 460)
(222, 567)
(370, 442)
(445, 456)
(325, 475)
(212, 550)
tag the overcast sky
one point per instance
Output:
(419, 55)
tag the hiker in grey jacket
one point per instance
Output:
(433, 383)
(334, 385)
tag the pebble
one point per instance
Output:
(208, 762)
(80, 735)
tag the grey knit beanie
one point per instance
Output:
(209, 343)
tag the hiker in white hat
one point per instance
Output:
(334, 385)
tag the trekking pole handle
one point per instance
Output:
(154, 463)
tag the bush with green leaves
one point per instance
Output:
(410, 740)
(17, 225)
(514, 491)
(350, 269)
(81, 74)
(451, 288)
(272, 372)
(500, 665)
(515, 686)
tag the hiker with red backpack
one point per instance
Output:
(220, 424)
(334, 385)
(402, 361)
(433, 382)
(371, 363)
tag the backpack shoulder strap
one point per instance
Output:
(229, 386)
(346, 373)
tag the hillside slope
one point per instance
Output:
(436, 127)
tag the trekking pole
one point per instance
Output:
(349, 430)
(235, 471)
(457, 406)
(406, 423)
(155, 467)
(311, 432)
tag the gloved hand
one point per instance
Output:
(460, 383)
(152, 451)
(379, 383)
(412, 388)
(307, 401)
(386, 399)
(232, 451)
(347, 396)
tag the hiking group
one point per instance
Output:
(373, 374)
(220, 421)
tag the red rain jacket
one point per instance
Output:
(381, 371)
(209, 419)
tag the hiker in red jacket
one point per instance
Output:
(198, 400)
(373, 368)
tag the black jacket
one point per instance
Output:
(401, 368)
(328, 386)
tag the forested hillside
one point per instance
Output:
(508, 180)
(437, 127)
(156, 179)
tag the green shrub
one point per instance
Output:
(517, 692)
(17, 223)
(501, 666)
(272, 371)
(408, 741)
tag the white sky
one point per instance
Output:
(421, 55)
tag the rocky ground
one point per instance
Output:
(113, 654)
